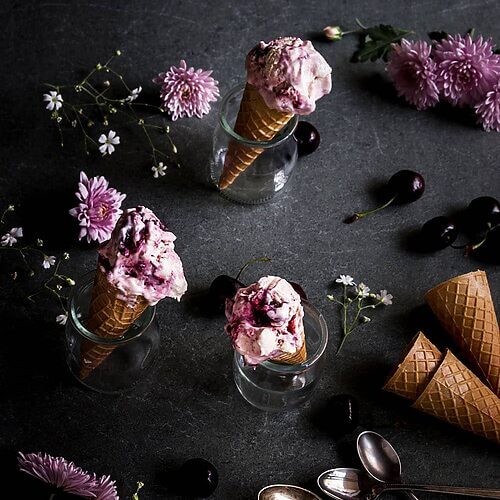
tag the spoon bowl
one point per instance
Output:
(286, 492)
(346, 484)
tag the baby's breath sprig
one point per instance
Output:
(140, 485)
(57, 283)
(358, 298)
(92, 107)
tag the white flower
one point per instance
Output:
(9, 239)
(134, 95)
(48, 261)
(109, 142)
(159, 170)
(345, 279)
(363, 290)
(384, 297)
(74, 123)
(62, 318)
(54, 100)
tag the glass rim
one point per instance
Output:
(84, 281)
(278, 139)
(311, 360)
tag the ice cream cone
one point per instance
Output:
(415, 371)
(257, 122)
(294, 358)
(109, 317)
(465, 309)
(456, 395)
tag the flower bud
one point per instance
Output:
(365, 319)
(333, 33)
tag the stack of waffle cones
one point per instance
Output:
(109, 317)
(440, 384)
(256, 122)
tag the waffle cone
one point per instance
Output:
(109, 317)
(465, 309)
(415, 371)
(294, 358)
(257, 122)
(458, 396)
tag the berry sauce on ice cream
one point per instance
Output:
(290, 74)
(140, 259)
(265, 320)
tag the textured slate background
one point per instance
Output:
(190, 406)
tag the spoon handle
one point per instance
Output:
(410, 495)
(453, 490)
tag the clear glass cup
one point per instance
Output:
(273, 386)
(270, 171)
(125, 359)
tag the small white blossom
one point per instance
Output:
(384, 297)
(109, 142)
(48, 261)
(159, 170)
(365, 319)
(345, 279)
(363, 290)
(62, 318)
(74, 123)
(10, 238)
(134, 94)
(54, 100)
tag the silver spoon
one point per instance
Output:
(380, 459)
(353, 484)
(286, 492)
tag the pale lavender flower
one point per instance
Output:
(467, 68)
(99, 208)
(59, 473)
(108, 142)
(362, 290)
(105, 489)
(10, 238)
(488, 109)
(61, 319)
(186, 92)
(159, 170)
(134, 94)
(413, 73)
(54, 100)
(48, 261)
(384, 297)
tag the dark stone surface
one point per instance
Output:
(190, 406)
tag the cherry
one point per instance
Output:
(483, 211)
(307, 137)
(342, 414)
(198, 478)
(438, 233)
(223, 287)
(404, 186)
(299, 290)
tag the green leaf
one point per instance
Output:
(376, 42)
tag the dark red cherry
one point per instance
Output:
(342, 413)
(438, 233)
(198, 478)
(483, 211)
(223, 287)
(307, 137)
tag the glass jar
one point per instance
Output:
(273, 386)
(269, 172)
(121, 361)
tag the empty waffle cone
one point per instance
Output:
(465, 309)
(109, 317)
(458, 396)
(294, 358)
(416, 369)
(256, 122)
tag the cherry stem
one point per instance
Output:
(471, 247)
(359, 215)
(249, 263)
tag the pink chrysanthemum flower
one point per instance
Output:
(99, 208)
(59, 473)
(105, 489)
(467, 68)
(488, 109)
(414, 73)
(186, 92)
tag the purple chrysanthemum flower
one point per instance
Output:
(186, 92)
(59, 473)
(105, 489)
(488, 109)
(99, 208)
(467, 68)
(414, 73)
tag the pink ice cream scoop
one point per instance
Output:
(140, 259)
(265, 320)
(290, 74)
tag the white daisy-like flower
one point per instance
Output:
(134, 94)
(54, 100)
(363, 290)
(62, 318)
(109, 142)
(159, 170)
(10, 238)
(48, 261)
(384, 297)
(345, 279)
